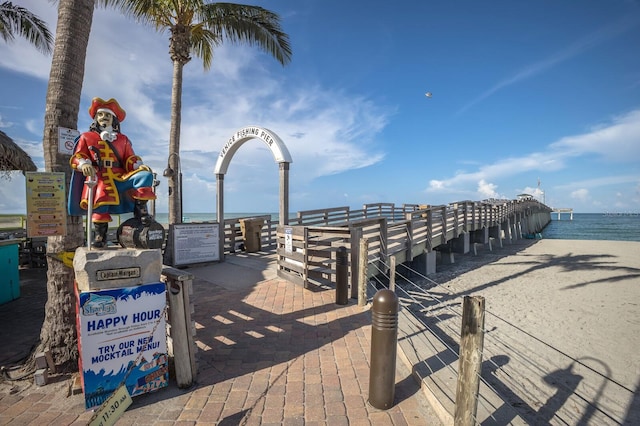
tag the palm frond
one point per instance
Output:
(203, 43)
(252, 25)
(12, 157)
(16, 20)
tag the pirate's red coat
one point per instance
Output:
(109, 168)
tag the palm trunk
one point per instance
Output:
(175, 184)
(58, 332)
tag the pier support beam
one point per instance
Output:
(480, 236)
(507, 231)
(446, 257)
(496, 233)
(461, 243)
(425, 263)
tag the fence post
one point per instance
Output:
(362, 267)
(180, 343)
(342, 276)
(354, 241)
(392, 273)
(470, 362)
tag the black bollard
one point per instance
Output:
(384, 341)
(342, 277)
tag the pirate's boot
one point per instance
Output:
(140, 211)
(100, 234)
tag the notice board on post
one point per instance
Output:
(194, 243)
(46, 204)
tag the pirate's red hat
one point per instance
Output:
(111, 105)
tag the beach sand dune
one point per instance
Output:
(563, 326)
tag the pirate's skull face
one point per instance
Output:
(104, 119)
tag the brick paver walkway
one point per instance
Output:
(271, 354)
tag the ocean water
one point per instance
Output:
(163, 218)
(584, 226)
(594, 226)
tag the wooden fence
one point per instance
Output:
(306, 248)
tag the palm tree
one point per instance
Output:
(58, 333)
(18, 20)
(238, 23)
(198, 26)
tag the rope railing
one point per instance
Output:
(523, 379)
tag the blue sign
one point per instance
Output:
(122, 338)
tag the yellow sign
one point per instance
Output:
(65, 257)
(46, 204)
(111, 410)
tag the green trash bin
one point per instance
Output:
(251, 233)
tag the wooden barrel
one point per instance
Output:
(133, 234)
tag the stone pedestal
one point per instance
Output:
(115, 267)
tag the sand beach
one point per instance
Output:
(562, 327)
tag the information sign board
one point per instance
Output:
(46, 204)
(195, 243)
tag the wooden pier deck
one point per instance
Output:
(306, 247)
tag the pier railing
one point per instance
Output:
(307, 246)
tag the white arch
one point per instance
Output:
(273, 141)
(280, 154)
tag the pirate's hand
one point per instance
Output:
(87, 169)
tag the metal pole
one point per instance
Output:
(342, 276)
(90, 182)
(180, 186)
(156, 182)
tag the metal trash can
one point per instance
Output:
(251, 233)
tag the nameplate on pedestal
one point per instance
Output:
(117, 274)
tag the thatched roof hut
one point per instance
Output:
(12, 157)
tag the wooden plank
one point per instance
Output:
(182, 342)
(295, 279)
(321, 270)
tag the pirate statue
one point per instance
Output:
(124, 184)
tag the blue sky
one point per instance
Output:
(522, 92)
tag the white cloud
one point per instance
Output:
(536, 192)
(580, 194)
(614, 142)
(487, 190)
(4, 124)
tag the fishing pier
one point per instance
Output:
(559, 212)
(423, 235)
